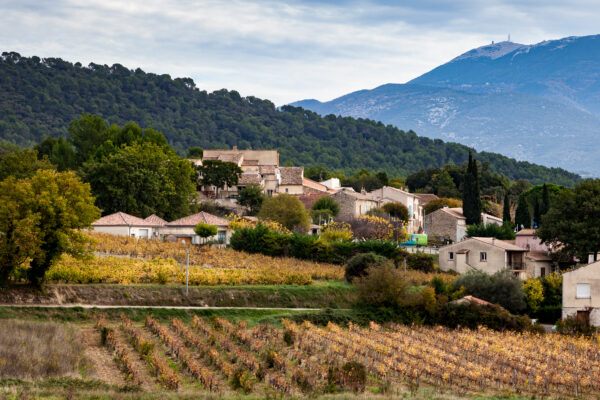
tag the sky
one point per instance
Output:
(283, 51)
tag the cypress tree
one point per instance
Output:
(471, 200)
(522, 216)
(545, 200)
(506, 209)
(537, 212)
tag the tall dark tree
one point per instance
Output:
(471, 201)
(545, 206)
(506, 208)
(537, 213)
(522, 216)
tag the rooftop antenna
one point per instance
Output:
(509, 37)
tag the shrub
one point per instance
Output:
(327, 203)
(397, 210)
(336, 231)
(573, 325)
(358, 265)
(420, 261)
(289, 337)
(436, 204)
(534, 293)
(504, 232)
(352, 375)
(472, 315)
(381, 286)
(287, 210)
(502, 288)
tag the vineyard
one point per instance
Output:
(128, 260)
(302, 359)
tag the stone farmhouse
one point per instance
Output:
(353, 204)
(491, 255)
(414, 203)
(260, 167)
(154, 227)
(450, 224)
(581, 293)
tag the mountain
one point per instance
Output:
(533, 102)
(40, 97)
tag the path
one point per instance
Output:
(103, 306)
(103, 365)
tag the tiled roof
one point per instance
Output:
(267, 169)
(249, 179)
(499, 243)
(314, 185)
(193, 220)
(356, 195)
(425, 198)
(526, 232)
(234, 158)
(472, 299)
(120, 219)
(309, 199)
(155, 220)
(538, 256)
(291, 175)
(455, 212)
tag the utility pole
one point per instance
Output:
(187, 272)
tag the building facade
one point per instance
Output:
(581, 293)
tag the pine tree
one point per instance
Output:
(471, 200)
(522, 216)
(506, 209)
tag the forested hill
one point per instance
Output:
(39, 97)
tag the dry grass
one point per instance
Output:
(32, 350)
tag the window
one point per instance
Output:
(483, 256)
(543, 272)
(222, 237)
(286, 190)
(451, 255)
(583, 291)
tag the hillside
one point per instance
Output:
(39, 97)
(539, 103)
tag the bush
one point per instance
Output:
(327, 203)
(382, 286)
(420, 261)
(261, 239)
(436, 204)
(352, 375)
(504, 232)
(502, 288)
(574, 326)
(472, 315)
(358, 265)
(287, 210)
(397, 210)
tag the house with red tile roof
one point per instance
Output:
(124, 224)
(182, 230)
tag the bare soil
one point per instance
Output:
(104, 366)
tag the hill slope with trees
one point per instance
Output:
(40, 97)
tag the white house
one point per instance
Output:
(581, 293)
(182, 229)
(124, 224)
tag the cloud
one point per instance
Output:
(283, 51)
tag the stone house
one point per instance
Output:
(581, 293)
(413, 202)
(527, 239)
(353, 204)
(123, 224)
(291, 180)
(450, 224)
(491, 255)
(182, 230)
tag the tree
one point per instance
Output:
(143, 179)
(22, 164)
(41, 218)
(357, 266)
(195, 152)
(506, 209)
(522, 216)
(545, 206)
(537, 215)
(205, 230)
(383, 178)
(436, 204)
(219, 174)
(287, 210)
(504, 232)
(571, 223)
(397, 210)
(88, 134)
(501, 288)
(251, 196)
(327, 203)
(444, 186)
(471, 200)
(59, 152)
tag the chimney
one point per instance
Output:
(235, 147)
